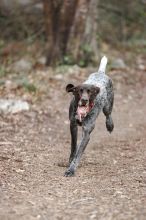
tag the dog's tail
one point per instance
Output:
(103, 64)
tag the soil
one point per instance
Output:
(110, 182)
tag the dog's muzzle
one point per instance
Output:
(84, 107)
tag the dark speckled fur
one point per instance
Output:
(103, 102)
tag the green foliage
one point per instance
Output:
(24, 83)
(87, 55)
(82, 63)
(120, 23)
(123, 20)
(29, 87)
(3, 71)
(68, 60)
(2, 43)
(86, 49)
(20, 25)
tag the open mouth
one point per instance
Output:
(82, 111)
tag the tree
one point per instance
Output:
(71, 28)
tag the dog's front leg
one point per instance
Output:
(87, 127)
(74, 132)
(85, 139)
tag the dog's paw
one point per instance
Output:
(69, 173)
(109, 124)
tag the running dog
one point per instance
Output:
(89, 99)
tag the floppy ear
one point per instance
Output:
(97, 89)
(70, 88)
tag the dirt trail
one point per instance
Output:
(110, 182)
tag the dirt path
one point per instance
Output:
(111, 180)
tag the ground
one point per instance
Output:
(110, 182)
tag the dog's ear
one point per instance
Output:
(96, 90)
(70, 88)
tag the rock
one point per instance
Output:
(22, 65)
(141, 64)
(141, 67)
(74, 70)
(42, 60)
(58, 77)
(118, 64)
(13, 106)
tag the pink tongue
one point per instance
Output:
(82, 112)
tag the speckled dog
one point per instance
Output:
(90, 98)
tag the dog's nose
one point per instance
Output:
(84, 101)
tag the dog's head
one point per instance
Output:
(85, 95)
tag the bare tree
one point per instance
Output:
(71, 27)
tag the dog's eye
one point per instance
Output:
(81, 90)
(88, 91)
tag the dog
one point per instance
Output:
(89, 99)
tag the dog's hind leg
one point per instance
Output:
(109, 123)
(107, 110)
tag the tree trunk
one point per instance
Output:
(71, 27)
